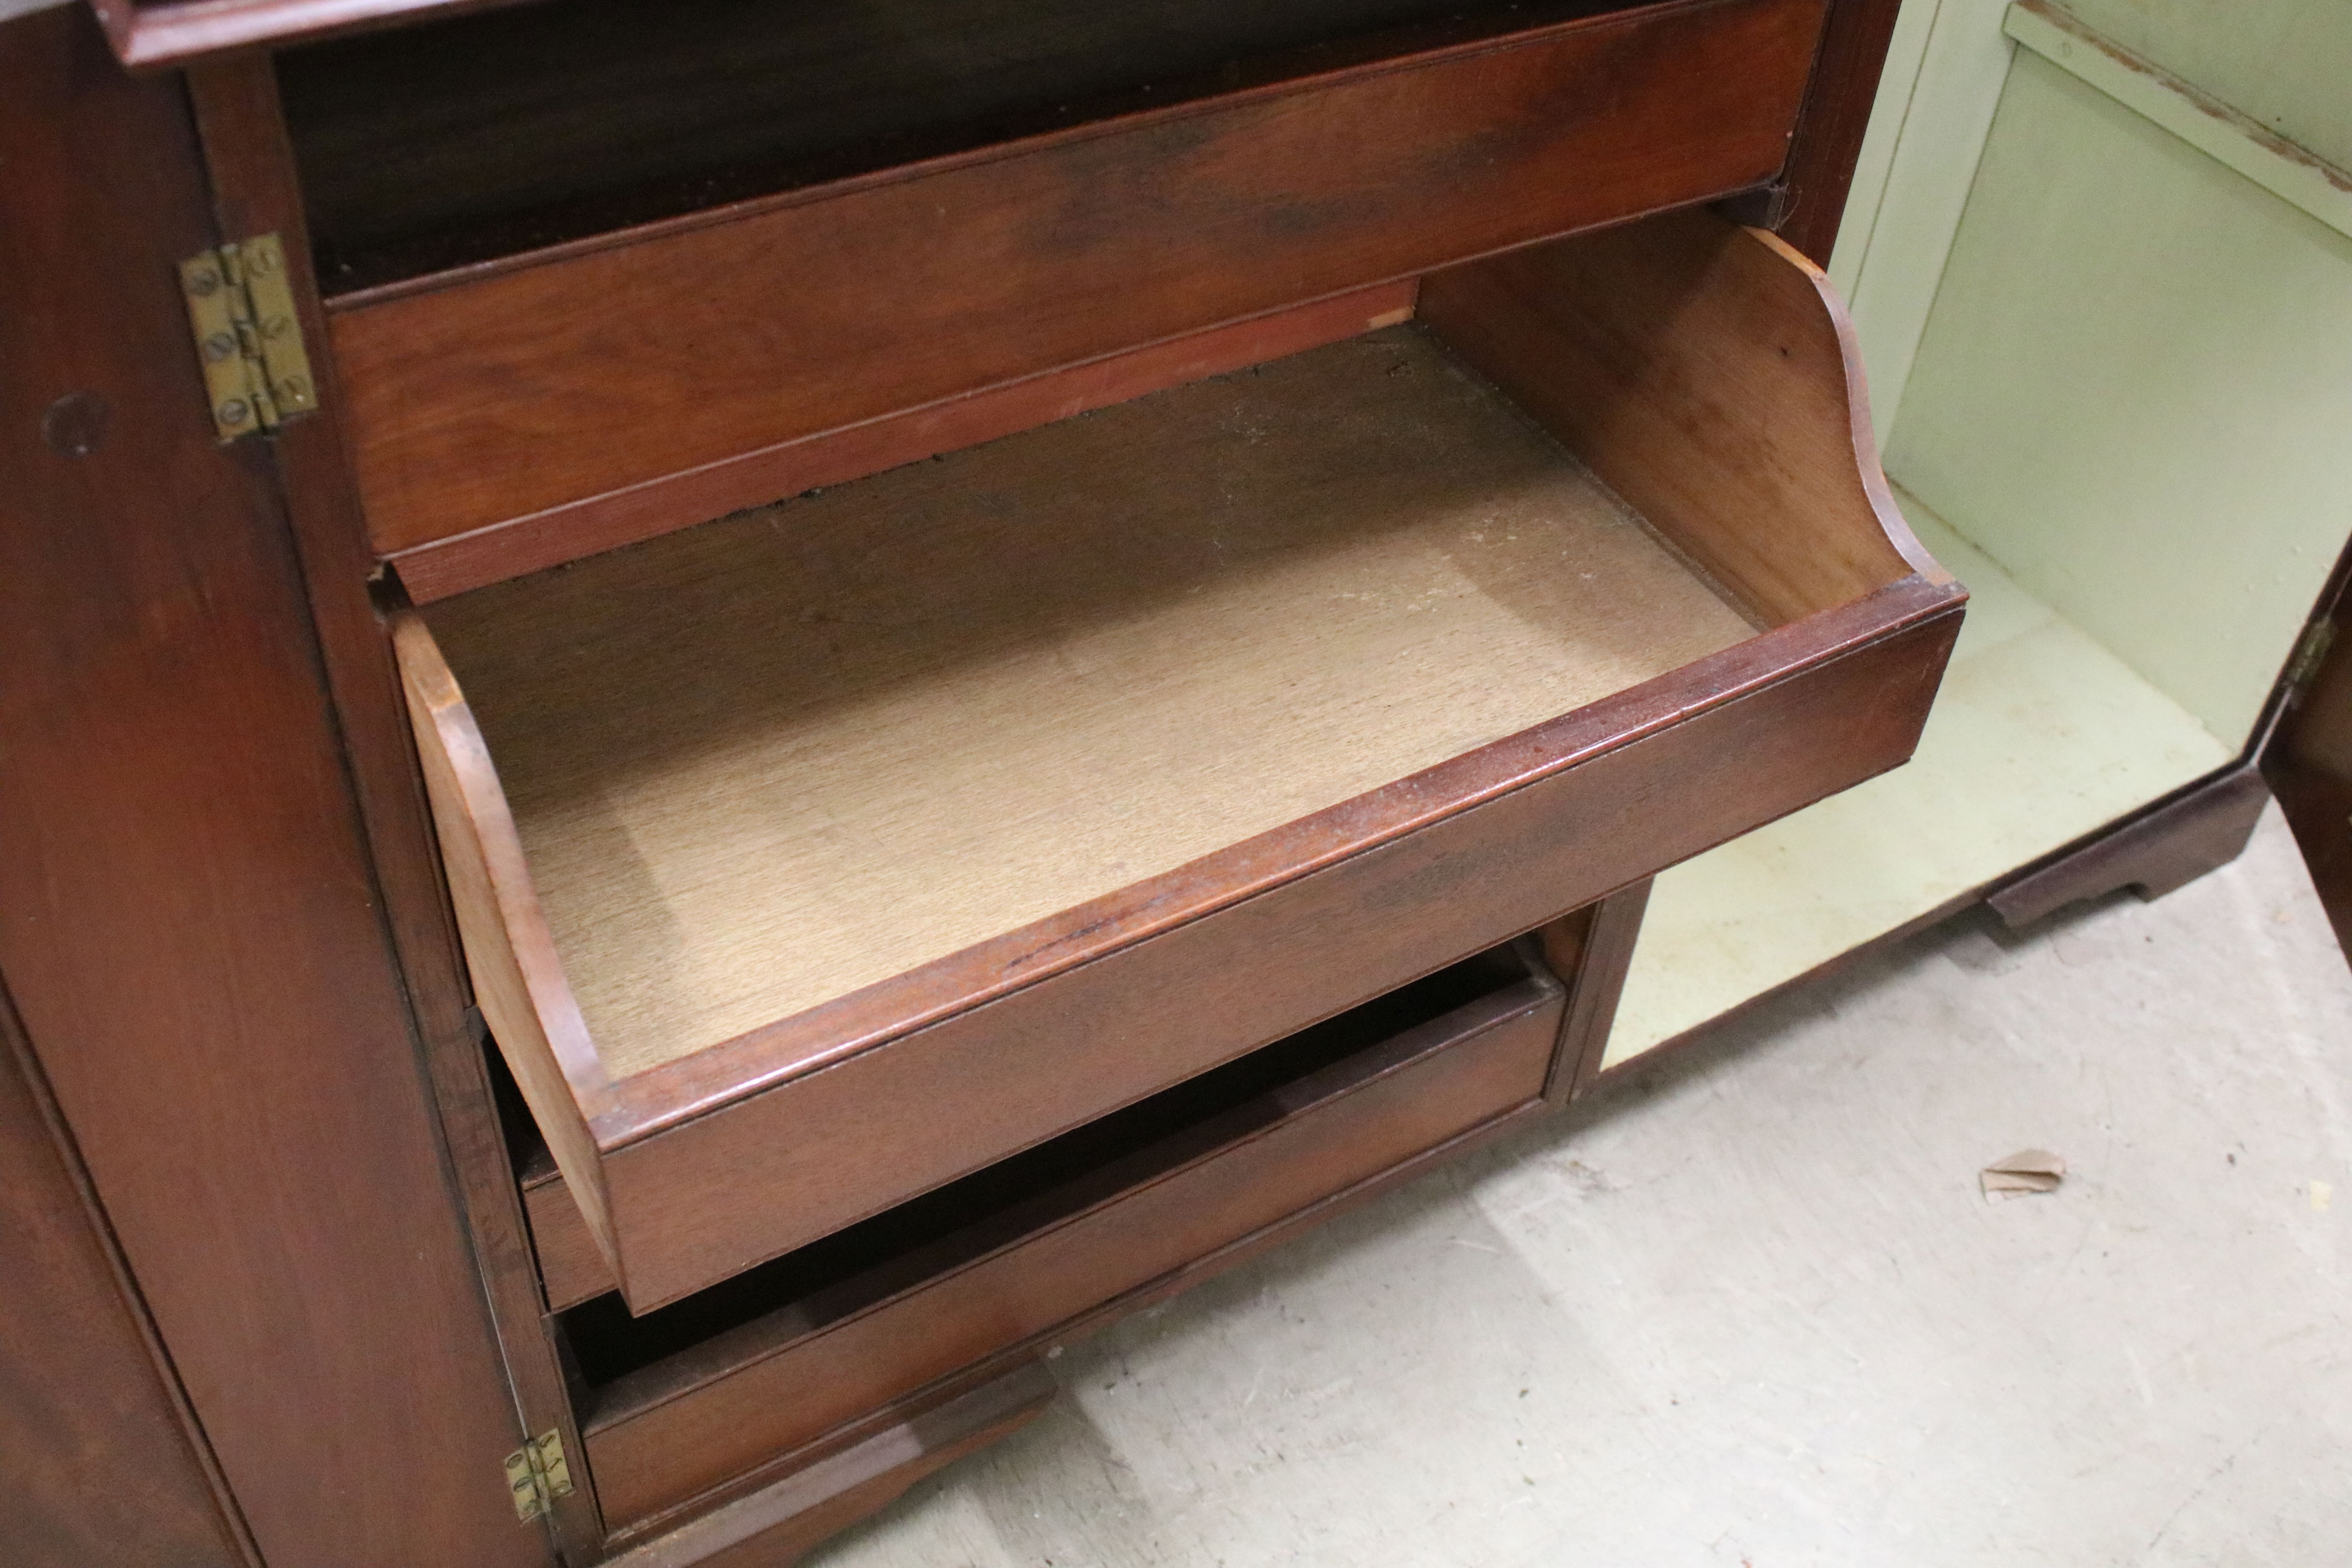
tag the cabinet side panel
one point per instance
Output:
(191, 932)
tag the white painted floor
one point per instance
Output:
(1755, 1311)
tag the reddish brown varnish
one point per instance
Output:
(525, 390)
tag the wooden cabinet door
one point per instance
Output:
(189, 923)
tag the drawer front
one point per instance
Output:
(661, 1437)
(473, 400)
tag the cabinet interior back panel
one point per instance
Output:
(2133, 394)
(761, 762)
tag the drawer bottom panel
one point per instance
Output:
(1050, 1237)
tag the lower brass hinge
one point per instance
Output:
(249, 336)
(537, 1475)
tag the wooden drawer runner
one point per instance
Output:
(1012, 1255)
(813, 858)
(546, 391)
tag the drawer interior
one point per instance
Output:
(978, 691)
(422, 149)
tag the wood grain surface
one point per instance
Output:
(478, 400)
(425, 150)
(519, 981)
(192, 937)
(572, 1268)
(1710, 376)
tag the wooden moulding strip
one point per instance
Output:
(444, 567)
(1590, 951)
(2232, 139)
(480, 397)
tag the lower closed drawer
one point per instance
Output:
(699, 1394)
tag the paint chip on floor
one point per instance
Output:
(2026, 1171)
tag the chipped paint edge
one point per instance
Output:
(2222, 134)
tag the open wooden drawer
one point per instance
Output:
(811, 858)
(839, 1334)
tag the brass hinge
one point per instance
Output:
(2310, 652)
(249, 336)
(537, 1475)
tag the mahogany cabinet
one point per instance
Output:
(711, 730)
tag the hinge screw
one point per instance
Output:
(219, 347)
(234, 411)
(203, 284)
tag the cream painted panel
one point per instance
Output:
(2286, 63)
(1898, 81)
(1889, 270)
(2135, 393)
(2038, 737)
